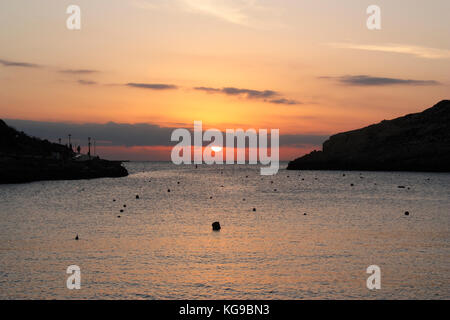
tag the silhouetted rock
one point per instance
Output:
(216, 226)
(25, 159)
(415, 142)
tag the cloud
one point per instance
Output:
(108, 134)
(250, 94)
(86, 82)
(152, 86)
(7, 63)
(302, 140)
(78, 71)
(230, 10)
(129, 135)
(207, 89)
(416, 51)
(248, 13)
(364, 80)
(284, 101)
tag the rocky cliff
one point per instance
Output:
(24, 159)
(415, 142)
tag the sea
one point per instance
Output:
(294, 235)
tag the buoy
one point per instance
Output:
(118, 216)
(178, 182)
(114, 200)
(304, 214)
(76, 238)
(352, 185)
(406, 213)
(137, 196)
(254, 209)
(216, 226)
(168, 190)
(275, 190)
(121, 210)
(210, 197)
(124, 205)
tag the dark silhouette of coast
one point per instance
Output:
(415, 142)
(25, 159)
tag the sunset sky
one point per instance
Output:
(139, 68)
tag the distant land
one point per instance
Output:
(415, 142)
(25, 159)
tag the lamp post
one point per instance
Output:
(89, 147)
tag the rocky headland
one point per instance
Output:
(25, 159)
(415, 142)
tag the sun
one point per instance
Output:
(216, 148)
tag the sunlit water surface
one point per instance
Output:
(163, 247)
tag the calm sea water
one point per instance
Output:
(163, 247)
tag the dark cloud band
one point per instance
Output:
(152, 86)
(78, 71)
(129, 135)
(365, 80)
(250, 94)
(7, 63)
(232, 91)
(87, 82)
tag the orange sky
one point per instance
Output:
(310, 54)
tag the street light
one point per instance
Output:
(89, 146)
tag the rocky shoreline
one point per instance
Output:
(415, 142)
(27, 159)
